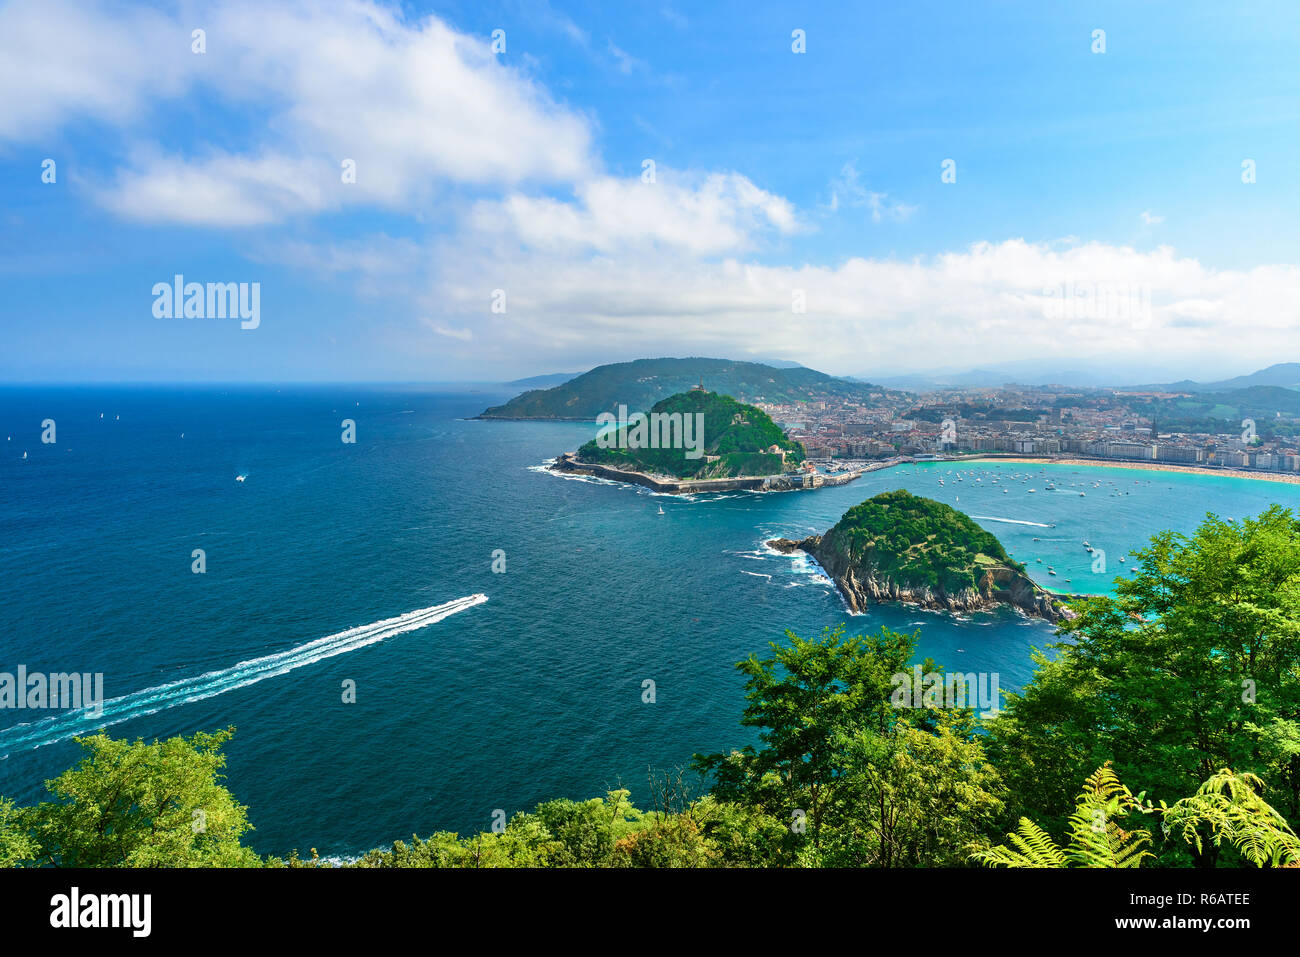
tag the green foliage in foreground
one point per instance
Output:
(1227, 808)
(607, 833)
(1193, 667)
(128, 804)
(16, 845)
(1186, 687)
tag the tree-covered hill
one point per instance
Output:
(643, 382)
(736, 440)
(1216, 412)
(917, 541)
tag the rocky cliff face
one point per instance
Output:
(859, 582)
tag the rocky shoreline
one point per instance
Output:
(785, 482)
(861, 588)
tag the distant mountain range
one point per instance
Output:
(1083, 375)
(1285, 375)
(642, 383)
(1078, 374)
(542, 381)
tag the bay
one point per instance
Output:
(535, 694)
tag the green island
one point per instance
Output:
(736, 440)
(1132, 745)
(897, 546)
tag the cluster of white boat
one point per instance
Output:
(1049, 486)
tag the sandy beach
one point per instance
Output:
(1289, 478)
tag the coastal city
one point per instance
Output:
(1049, 422)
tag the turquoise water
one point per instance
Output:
(533, 694)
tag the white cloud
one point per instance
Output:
(624, 61)
(847, 191)
(593, 264)
(702, 215)
(414, 103)
(62, 61)
(379, 256)
(989, 302)
(673, 17)
(221, 190)
(464, 335)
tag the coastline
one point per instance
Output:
(780, 482)
(1284, 477)
(859, 594)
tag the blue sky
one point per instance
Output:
(778, 175)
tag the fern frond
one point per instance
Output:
(1033, 848)
(1229, 806)
(1096, 837)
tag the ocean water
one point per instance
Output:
(532, 694)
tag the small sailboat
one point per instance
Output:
(661, 509)
(24, 455)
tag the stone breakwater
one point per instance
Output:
(786, 482)
(861, 586)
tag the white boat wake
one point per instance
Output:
(1010, 521)
(65, 725)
